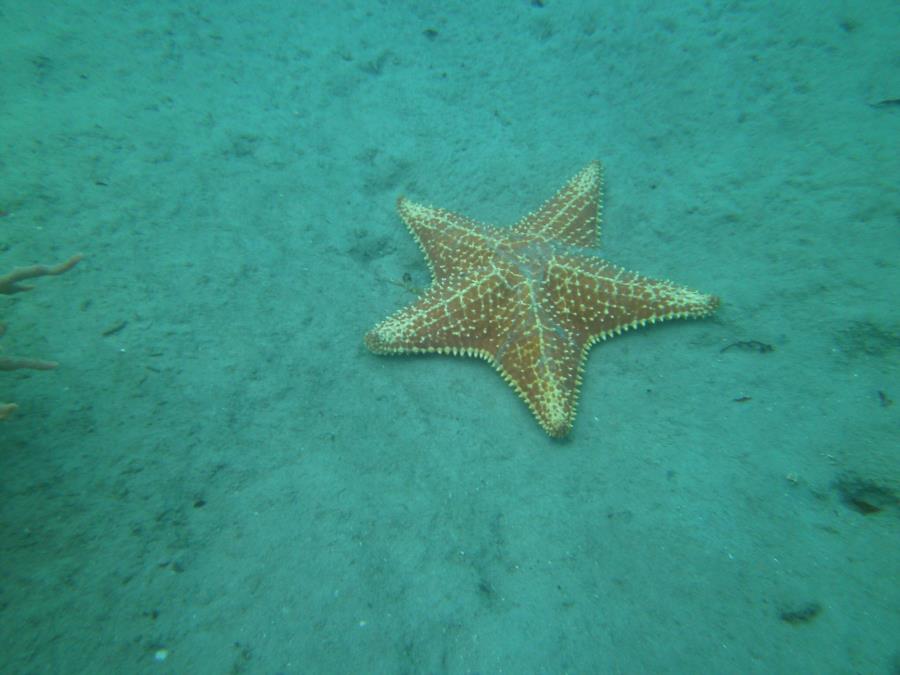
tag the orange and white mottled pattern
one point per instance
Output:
(530, 300)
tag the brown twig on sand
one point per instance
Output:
(8, 363)
(9, 284)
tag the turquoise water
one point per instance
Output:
(219, 477)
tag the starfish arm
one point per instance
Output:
(572, 216)
(463, 315)
(543, 366)
(596, 299)
(451, 243)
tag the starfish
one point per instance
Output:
(531, 299)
